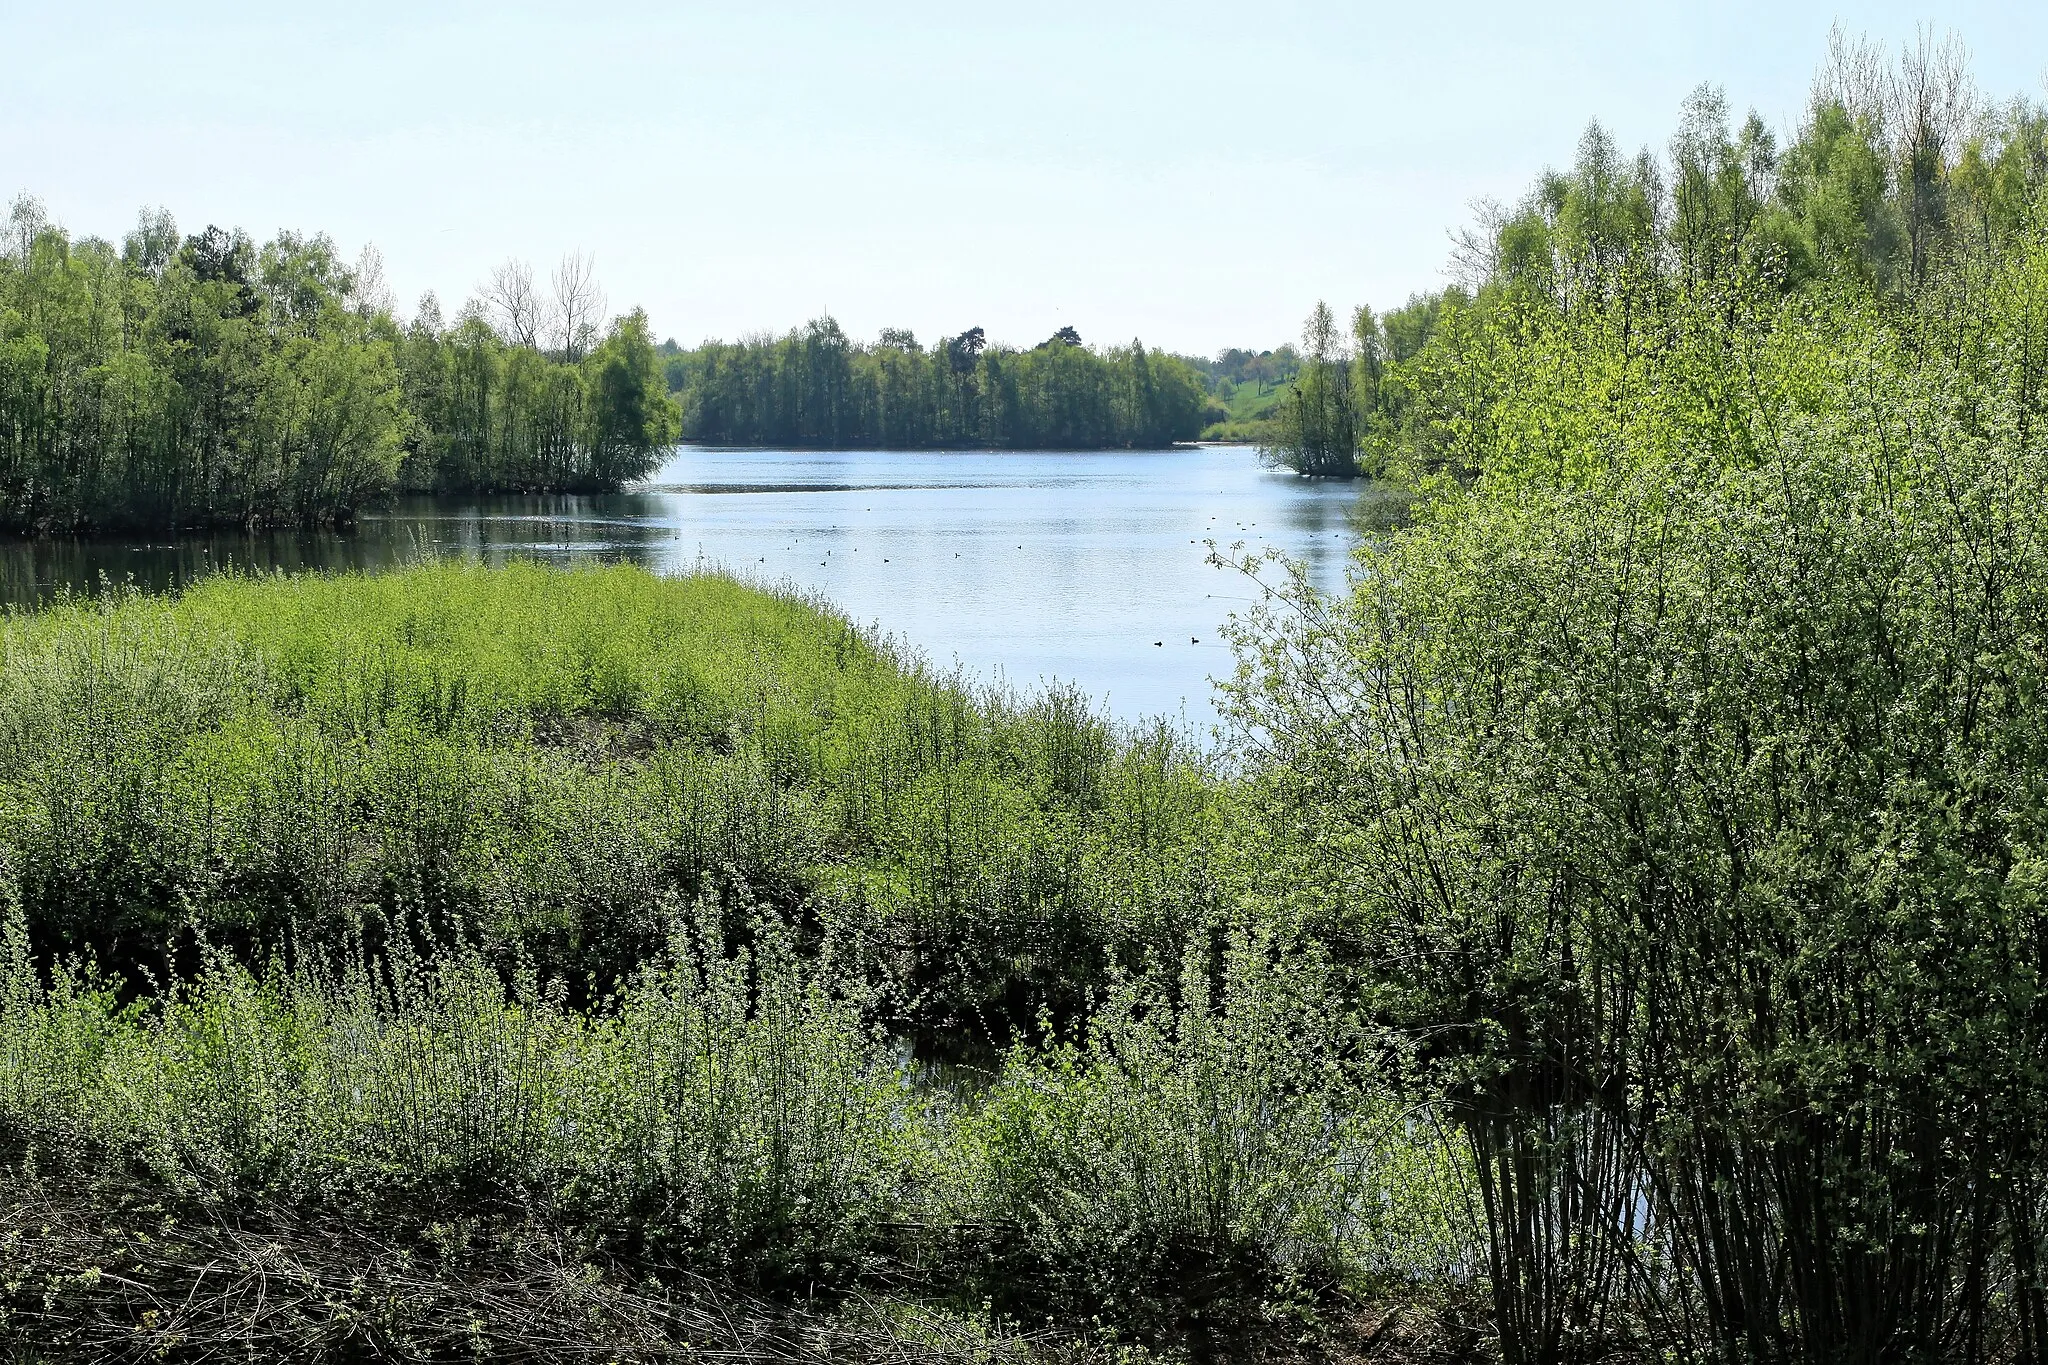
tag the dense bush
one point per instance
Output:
(1217, 1135)
(731, 1112)
(1675, 785)
(683, 1111)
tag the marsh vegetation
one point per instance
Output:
(657, 909)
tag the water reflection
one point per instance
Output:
(1084, 566)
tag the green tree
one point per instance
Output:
(209, 381)
(1318, 428)
(818, 387)
(633, 419)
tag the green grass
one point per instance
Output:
(634, 903)
(1253, 408)
(543, 761)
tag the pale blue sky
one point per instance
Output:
(1195, 174)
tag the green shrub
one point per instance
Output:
(727, 1107)
(1211, 1140)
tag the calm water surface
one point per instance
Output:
(1085, 566)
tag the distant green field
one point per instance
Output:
(1252, 408)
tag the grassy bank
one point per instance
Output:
(1253, 409)
(679, 926)
(541, 762)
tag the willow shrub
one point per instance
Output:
(1690, 799)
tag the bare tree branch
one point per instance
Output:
(514, 307)
(578, 304)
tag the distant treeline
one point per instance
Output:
(173, 383)
(1236, 366)
(817, 386)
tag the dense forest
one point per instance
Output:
(818, 387)
(1895, 185)
(176, 383)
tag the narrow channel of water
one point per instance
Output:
(1084, 566)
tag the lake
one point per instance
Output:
(1021, 565)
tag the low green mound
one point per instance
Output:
(1253, 411)
(550, 763)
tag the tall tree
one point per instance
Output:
(1319, 422)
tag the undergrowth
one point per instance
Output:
(682, 929)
